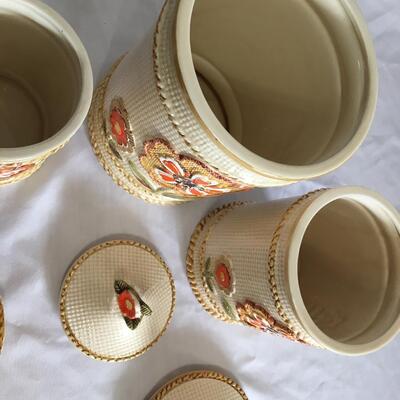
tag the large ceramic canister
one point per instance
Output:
(225, 96)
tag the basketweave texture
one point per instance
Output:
(160, 150)
(2, 326)
(201, 385)
(89, 304)
(248, 243)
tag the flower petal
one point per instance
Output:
(172, 166)
(196, 192)
(165, 176)
(202, 180)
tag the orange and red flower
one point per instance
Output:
(128, 305)
(184, 174)
(8, 171)
(223, 276)
(121, 130)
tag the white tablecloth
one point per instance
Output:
(49, 219)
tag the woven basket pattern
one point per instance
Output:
(254, 238)
(89, 304)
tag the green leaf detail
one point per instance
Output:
(114, 149)
(228, 308)
(120, 286)
(210, 284)
(169, 194)
(140, 177)
(132, 323)
(208, 265)
(145, 309)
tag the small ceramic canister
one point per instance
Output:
(199, 385)
(323, 269)
(225, 96)
(45, 86)
(117, 300)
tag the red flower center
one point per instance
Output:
(118, 127)
(223, 276)
(127, 304)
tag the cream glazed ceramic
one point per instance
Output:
(46, 86)
(225, 96)
(323, 269)
(117, 300)
(199, 385)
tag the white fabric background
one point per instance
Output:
(49, 219)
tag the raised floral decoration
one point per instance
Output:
(8, 171)
(183, 174)
(132, 307)
(220, 280)
(121, 130)
(257, 317)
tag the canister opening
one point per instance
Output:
(348, 273)
(303, 75)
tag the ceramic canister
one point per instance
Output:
(323, 269)
(46, 86)
(229, 95)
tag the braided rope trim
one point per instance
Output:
(2, 326)
(272, 254)
(214, 310)
(97, 138)
(191, 376)
(67, 283)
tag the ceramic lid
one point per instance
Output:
(117, 300)
(199, 385)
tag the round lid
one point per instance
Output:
(199, 385)
(117, 300)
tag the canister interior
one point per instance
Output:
(297, 70)
(40, 79)
(349, 271)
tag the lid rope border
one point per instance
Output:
(185, 378)
(67, 281)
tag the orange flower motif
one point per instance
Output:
(121, 131)
(257, 317)
(128, 305)
(8, 171)
(131, 306)
(184, 174)
(223, 276)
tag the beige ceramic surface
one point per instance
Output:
(89, 304)
(322, 269)
(267, 94)
(199, 385)
(45, 86)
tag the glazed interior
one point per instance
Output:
(40, 77)
(297, 69)
(349, 270)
